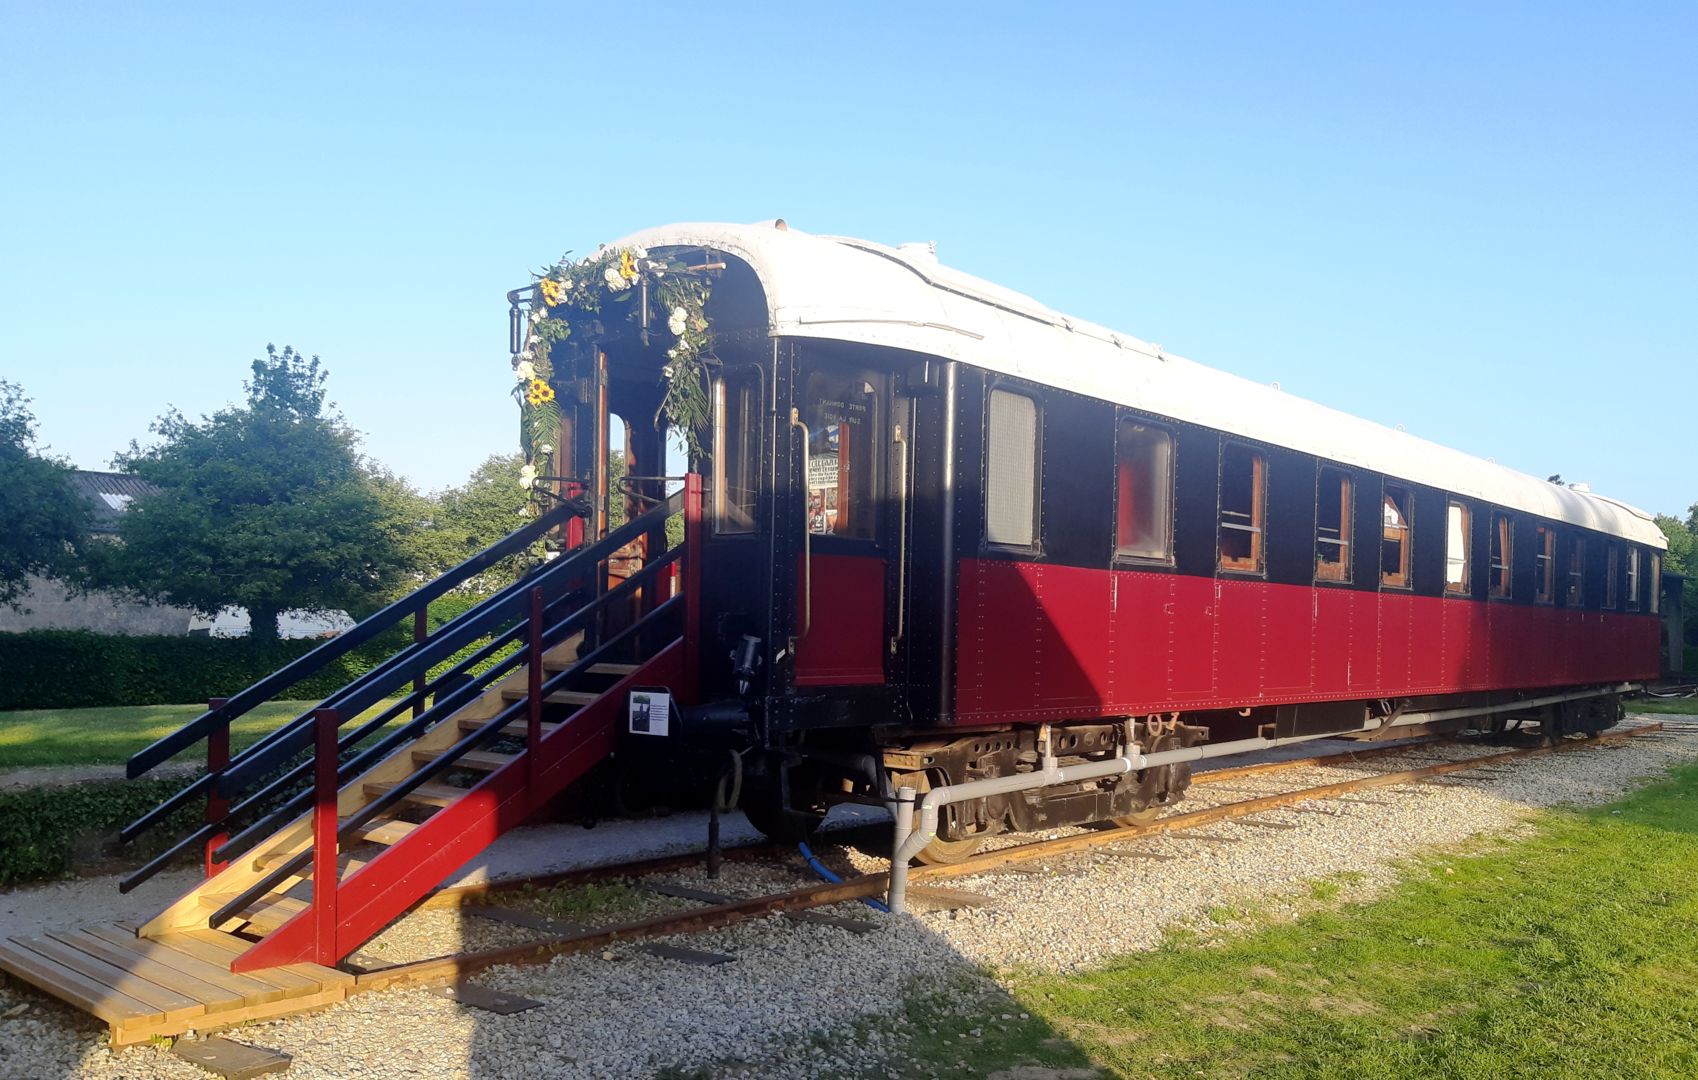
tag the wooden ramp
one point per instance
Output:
(165, 985)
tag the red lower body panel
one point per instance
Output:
(1041, 642)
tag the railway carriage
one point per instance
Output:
(950, 530)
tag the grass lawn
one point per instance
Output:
(1572, 953)
(108, 736)
(1685, 706)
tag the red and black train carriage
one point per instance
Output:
(945, 523)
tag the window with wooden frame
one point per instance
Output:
(1656, 583)
(1458, 561)
(1633, 579)
(1544, 564)
(1395, 535)
(1011, 470)
(1143, 504)
(736, 451)
(845, 452)
(1503, 551)
(1612, 576)
(1243, 501)
(1333, 490)
(1575, 595)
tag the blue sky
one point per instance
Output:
(1480, 222)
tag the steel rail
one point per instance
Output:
(442, 970)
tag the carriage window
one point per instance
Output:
(1144, 492)
(1394, 537)
(1612, 576)
(1011, 470)
(1243, 484)
(843, 454)
(1656, 583)
(1457, 568)
(1332, 524)
(1503, 535)
(1633, 579)
(1544, 564)
(1576, 571)
(736, 451)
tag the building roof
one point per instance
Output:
(855, 290)
(108, 494)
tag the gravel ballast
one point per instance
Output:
(806, 1000)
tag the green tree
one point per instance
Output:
(43, 522)
(1683, 541)
(267, 505)
(489, 505)
(1682, 558)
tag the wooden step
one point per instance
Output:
(480, 760)
(424, 794)
(559, 697)
(263, 915)
(386, 832)
(561, 663)
(515, 728)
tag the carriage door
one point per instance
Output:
(846, 562)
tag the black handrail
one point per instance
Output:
(363, 694)
(200, 784)
(299, 668)
(275, 750)
(241, 810)
(440, 710)
(445, 760)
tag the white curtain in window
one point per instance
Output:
(1456, 553)
(1012, 470)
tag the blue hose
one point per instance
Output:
(824, 871)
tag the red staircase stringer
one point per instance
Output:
(404, 873)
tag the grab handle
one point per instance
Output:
(807, 530)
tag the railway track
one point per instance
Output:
(729, 911)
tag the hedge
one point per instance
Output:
(49, 831)
(75, 669)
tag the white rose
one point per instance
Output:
(615, 280)
(525, 353)
(676, 321)
(527, 476)
(639, 253)
(546, 448)
(666, 371)
(526, 371)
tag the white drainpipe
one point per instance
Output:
(910, 839)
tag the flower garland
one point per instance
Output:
(575, 293)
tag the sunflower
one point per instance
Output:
(553, 292)
(539, 392)
(627, 265)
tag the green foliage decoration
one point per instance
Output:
(577, 295)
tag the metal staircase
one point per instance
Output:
(322, 833)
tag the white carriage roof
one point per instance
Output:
(903, 298)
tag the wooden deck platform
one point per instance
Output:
(167, 985)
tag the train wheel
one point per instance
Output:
(941, 852)
(777, 823)
(1139, 817)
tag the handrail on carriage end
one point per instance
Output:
(487, 618)
(262, 691)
